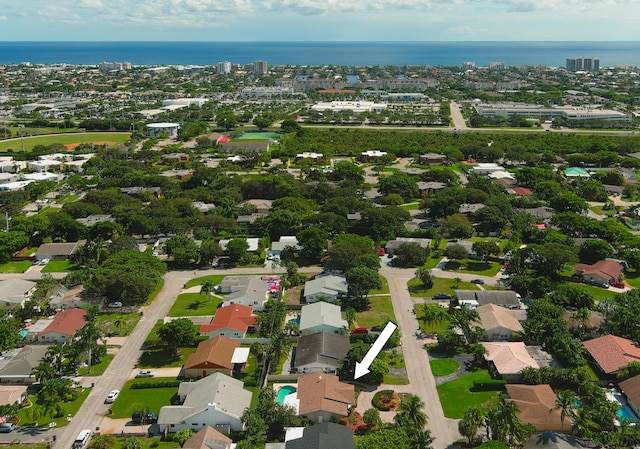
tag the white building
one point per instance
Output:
(185, 102)
(353, 106)
(260, 67)
(224, 67)
(160, 129)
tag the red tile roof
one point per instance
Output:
(606, 269)
(324, 392)
(234, 316)
(612, 353)
(522, 191)
(535, 404)
(67, 322)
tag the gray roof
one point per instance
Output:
(320, 313)
(284, 242)
(470, 208)
(468, 245)
(93, 219)
(497, 297)
(15, 290)
(324, 436)
(321, 347)
(244, 286)
(431, 185)
(394, 244)
(59, 249)
(329, 284)
(224, 391)
(22, 364)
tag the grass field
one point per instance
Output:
(131, 400)
(15, 266)
(199, 281)
(116, 442)
(194, 304)
(118, 324)
(443, 367)
(57, 266)
(162, 358)
(456, 396)
(473, 266)
(97, 370)
(384, 290)
(64, 139)
(380, 313)
(68, 408)
(598, 293)
(416, 288)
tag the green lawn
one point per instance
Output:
(410, 206)
(99, 369)
(115, 442)
(68, 198)
(216, 278)
(68, 408)
(162, 358)
(417, 290)
(443, 367)
(632, 277)
(191, 304)
(598, 293)
(30, 142)
(131, 400)
(57, 266)
(394, 359)
(380, 313)
(15, 266)
(384, 290)
(456, 396)
(395, 380)
(473, 266)
(118, 324)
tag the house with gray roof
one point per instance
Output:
(249, 291)
(322, 317)
(320, 352)
(326, 286)
(280, 245)
(14, 292)
(58, 251)
(217, 400)
(503, 298)
(19, 370)
(323, 436)
(393, 245)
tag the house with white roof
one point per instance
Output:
(215, 400)
(322, 317)
(484, 168)
(43, 165)
(14, 292)
(509, 358)
(249, 291)
(498, 322)
(285, 240)
(254, 244)
(325, 286)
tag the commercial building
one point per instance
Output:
(163, 129)
(353, 106)
(105, 66)
(224, 67)
(585, 64)
(260, 67)
(569, 114)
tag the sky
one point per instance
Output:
(320, 20)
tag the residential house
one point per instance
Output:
(393, 245)
(212, 356)
(15, 292)
(263, 206)
(498, 322)
(171, 158)
(139, 191)
(58, 251)
(253, 242)
(233, 321)
(19, 370)
(432, 159)
(485, 168)
(216, 401)
(325, 286)
(323, 398)
(280, 245)
(576, 172)
(180, 174)
(93, 219)
(322, 317)
(503, 298)
(630, 389)
(612, 353)
(320, 352)
(246, 220)
(208, 438)
(470, 208)
(520, 191)
(12, 394)
(372, 155)
(427, 187)
(467, 244)
(323, 436)
(63, 326)
(602, 272)
(554, 440)
(251, 291)
(535, 406)
(317, 157)
(509, 358)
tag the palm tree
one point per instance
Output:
(208, 287)
(420, 440)
(566, 403)
(34, 413)
(55, 356)
(120, 322)
(433, 314)
(279, 346)
(350, 315)
(53, 409)
(471, 421)
(43, 372)
(410, 414)
(463, 317)
(456, 282)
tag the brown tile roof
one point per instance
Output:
(606, 269)
(67, 322)
(216, 351)
(534, 404)
(234, 316)
(324, 392)
(208, 438)
(492, 316)
(59, 249)
(631, 388)
(612, 353)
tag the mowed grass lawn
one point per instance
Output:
(380, 313)
(163, 358)
(131, 400)
(473, 266)
(118, 324)
(192, 304)
(456, 396)
(216, 278)
(443, 367)
(57, 266)
(15, 266)
(384, 290)
(443, 285)
(64, 139)
(68, 408)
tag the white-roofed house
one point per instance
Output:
(326, 286)
(509, 358)
(14, 292)
(216, 400)
(322, 317)
(498, 322)
(285, 240)
(43, 165)
(249, 291)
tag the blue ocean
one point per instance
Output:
(551, 54)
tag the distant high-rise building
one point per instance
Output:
(496, 66)
(260, 67)
(586, 64)
(224, 67)
(469, 65)
(105, 66)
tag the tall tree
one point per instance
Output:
(471, 421)
(410, 415)
(566, 403)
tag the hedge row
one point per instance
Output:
(163, 384)
(489, 385)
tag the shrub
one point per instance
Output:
(164, 384)
(489, 385)
(382, 400)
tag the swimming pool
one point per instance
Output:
(285, 390)
(259, 135)
(624, 412)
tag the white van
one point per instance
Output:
(82, 439)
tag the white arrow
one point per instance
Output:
(362, 368)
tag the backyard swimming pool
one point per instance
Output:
(259, 135)
(284, 391)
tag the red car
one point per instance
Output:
(618, 284)
(381, 252)
(360, 330)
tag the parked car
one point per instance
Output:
(477, 281)
(146, 373)
(112, 396)
(618, 284)
(381, 252)
(442, 295)
(140, 415)
(360, 330)
(114, 305)
(7, 427)
(44, 261)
